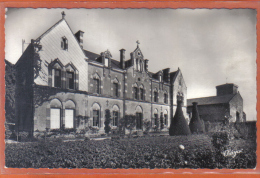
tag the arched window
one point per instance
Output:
(115, 116)
(71, 72)
(96, 84)
(55, 69)
(141, 66)
(142, 92)
(155, 95)
(156, 118)
(96, 115)
(55, 114)
(135, 91)
(64, 43)
(69, 114)
(115, 88)
(139, 117)
(57, 78)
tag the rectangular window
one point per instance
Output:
(155, 96)
(96, 118)
(64, 43)
(135, 93)
(165, 98)
(57, 78)
(69, 118)
(115, 89)
(96, 86)
(70, 79)
(141, 93)
(106, 62)
(55, 118)
(115, 118)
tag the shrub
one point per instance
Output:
(220, 140)
(107, 121)
(147, 126)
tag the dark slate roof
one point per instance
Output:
(93, 57)
(211, 100)
(90, 55)
(115, 64)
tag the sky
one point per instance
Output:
(210, 46)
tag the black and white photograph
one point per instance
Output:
(130, 88)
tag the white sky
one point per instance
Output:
(211, 47)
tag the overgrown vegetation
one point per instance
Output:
(142, 152)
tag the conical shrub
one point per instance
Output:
(179, 125)
(196, 124)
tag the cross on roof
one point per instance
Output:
(137, 42)
(63, 14)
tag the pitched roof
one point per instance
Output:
(47, 31)
(93, 57)
(90, 55)
(211, 100)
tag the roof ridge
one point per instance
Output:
(211, 96)
(47, 31)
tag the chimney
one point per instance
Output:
(79, 37)
(122, 58)
(166, 75)
(146, 64)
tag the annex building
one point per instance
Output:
(227, 104)
(57, 81)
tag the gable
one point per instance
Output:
(138, 53)
(51, 42)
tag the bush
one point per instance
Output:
(220, 140)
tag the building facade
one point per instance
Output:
(58, 81)
(228, 104)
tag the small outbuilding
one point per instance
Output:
(227, 105)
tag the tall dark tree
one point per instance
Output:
(107, 121)
(179, 125)
(196, 124)
(161, 121)
(9, 92)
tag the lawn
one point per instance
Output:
(143, 152)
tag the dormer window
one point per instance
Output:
(106, 62)
(64, 43)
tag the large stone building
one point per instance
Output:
(57, 81)
(228, 104)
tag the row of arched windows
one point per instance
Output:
(58, 111)
(97, 85)
(156, 96)
(63, 116)
(138, 92)
(163, 116)
(61, 76)
(96, 118)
